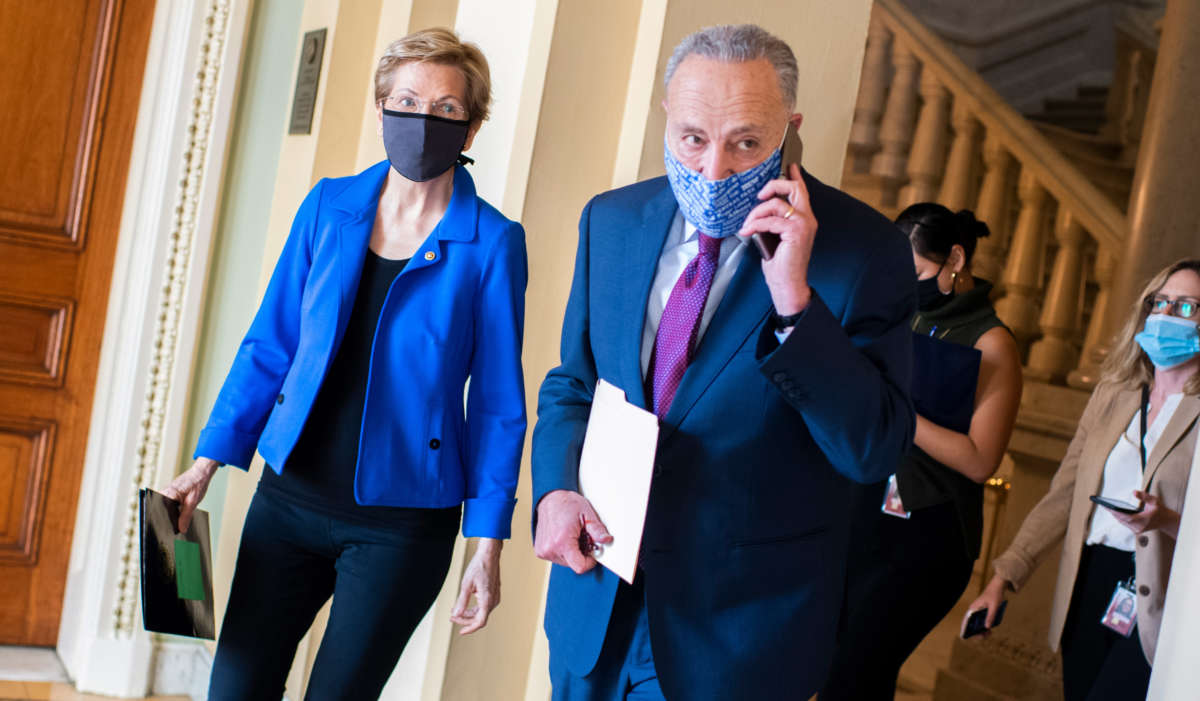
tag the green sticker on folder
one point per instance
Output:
(189, 578)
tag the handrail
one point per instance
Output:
(1028, 146)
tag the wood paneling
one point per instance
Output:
(69, 95)
(54, 52)
(33, 344)
(24, 464)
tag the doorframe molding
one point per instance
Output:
(172, 199)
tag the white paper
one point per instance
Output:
(614, 473)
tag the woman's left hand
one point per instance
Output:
(481, 580)
(1153, 516)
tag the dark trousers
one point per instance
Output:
(1099, 663)
(625, 670)
(291, 560)
(902, 578)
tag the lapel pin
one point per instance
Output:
(430, 255)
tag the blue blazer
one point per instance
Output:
(457, 311)
(743, 554)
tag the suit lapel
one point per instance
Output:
(1183, 418)
(1101, 443)
(637, 265)
(354, 235)
(741, 312)
(357, 202)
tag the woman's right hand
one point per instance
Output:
(990, 599)
(189, 488)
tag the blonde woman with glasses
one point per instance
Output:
(1116, 500)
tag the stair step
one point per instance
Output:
(1073, 143)
(1086, 124)
(1097, 158)
(1092, 91)
(1073, 105)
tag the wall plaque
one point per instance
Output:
(304, 101)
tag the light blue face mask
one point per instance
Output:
(1168, 340)
(718, 207)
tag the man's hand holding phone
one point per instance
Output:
(785, 212)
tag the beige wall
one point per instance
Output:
(577, 92)
(828, 38)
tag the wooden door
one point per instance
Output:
(70, 81)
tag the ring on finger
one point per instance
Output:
(788, 214)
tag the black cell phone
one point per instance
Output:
(766, 242)
(1124, 507)
(977, 623)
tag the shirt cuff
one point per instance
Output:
(488, 518)
(226, 446)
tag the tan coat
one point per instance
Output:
(1066, 509)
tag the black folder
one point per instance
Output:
(176, 569)
(944, 378)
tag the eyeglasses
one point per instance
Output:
(447, 108)
(1182, 307)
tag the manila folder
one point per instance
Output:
(614, 473)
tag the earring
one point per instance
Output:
(953, 279)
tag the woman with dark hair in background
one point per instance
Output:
(1134, 443)
(916, 541)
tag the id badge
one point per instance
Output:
(1121, 614)
(891, 501)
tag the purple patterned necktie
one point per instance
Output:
(676, 338)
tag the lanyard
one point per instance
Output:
(1142, 438)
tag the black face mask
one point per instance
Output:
(421, 146)
(929, 297)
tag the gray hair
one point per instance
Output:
(735, 43)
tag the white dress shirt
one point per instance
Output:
(681, 246)
(1123, 474)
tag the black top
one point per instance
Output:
(923, 481)
(320, 470)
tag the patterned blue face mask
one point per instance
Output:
(718, 207)
(1169, 341)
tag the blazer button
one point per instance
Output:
(279, 399)
(1143, 540)
(435, 443)
(1144, 590)
(779, 376)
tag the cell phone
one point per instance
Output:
(766, 242)
(977, 622)
(1124, 507)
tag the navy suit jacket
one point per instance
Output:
(743, 555)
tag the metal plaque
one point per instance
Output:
(304, 101)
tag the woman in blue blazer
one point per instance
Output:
(395, 287)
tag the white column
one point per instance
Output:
(1176, 674)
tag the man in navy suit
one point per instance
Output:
(776, 382)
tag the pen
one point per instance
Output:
(587, 546)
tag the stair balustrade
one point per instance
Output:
(928, 128)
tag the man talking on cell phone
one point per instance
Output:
(776, 383)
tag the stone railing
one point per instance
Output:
(928, 128)
(1129, 96)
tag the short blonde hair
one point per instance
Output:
(441, 46)
(1127, 364)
